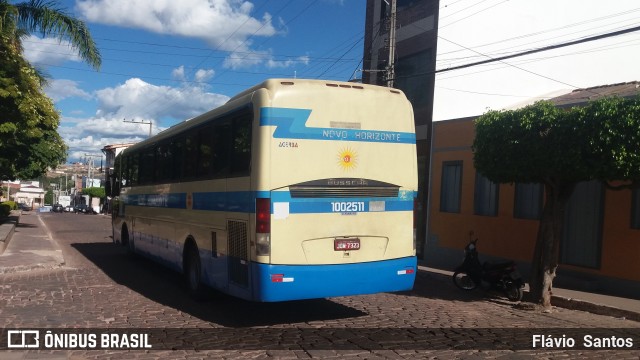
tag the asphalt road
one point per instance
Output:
(101, 287)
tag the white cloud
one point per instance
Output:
(240, 59)
(178, 74)
(135, 100)
(139, 99)
(59, 89)
(304, 60)
(225, 24)
(48, 50)
(247, 59)
(203, 75)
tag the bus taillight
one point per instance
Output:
(263, 226)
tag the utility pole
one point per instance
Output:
(150, 123)
(390, 73)
(90, 156)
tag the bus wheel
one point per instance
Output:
(192, 272)
(126, 241)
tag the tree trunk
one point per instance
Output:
(547, 250)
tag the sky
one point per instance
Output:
(167, 61)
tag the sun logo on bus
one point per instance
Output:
(347, 158)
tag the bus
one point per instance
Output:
(293, 189)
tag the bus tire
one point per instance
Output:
(193, 272)
(127, 241)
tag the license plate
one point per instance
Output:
(346, 244)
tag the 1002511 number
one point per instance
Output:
(347, 206)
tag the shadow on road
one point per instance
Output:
(439, 286)
(165, 286)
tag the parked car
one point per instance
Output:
(82, 209)
(57, 208)
(68, 208)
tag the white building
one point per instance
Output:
(30, 194)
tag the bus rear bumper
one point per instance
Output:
(295, 282)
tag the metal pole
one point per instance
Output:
(150, 123)
(392, 45)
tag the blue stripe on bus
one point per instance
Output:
(172, 200)
(291, 282)
(285, 196)
(236, 201)
(291, 124)
(244, 202)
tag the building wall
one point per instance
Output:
(416, 44)
(505, 237)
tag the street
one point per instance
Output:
(101, 287)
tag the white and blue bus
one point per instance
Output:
(294, 189)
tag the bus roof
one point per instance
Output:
(271, 85)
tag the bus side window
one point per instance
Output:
(221, 145)
(177, 147)
(190, 156)
(241, 156)
(205, 152)
(147, 166)
(133, 169)
(163, 163)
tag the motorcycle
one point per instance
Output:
(501, 276)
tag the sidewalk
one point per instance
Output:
(578, 300)
(29, 246)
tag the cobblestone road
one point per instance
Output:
(102, 287)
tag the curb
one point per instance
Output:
(23, 268)
(7, 227)
(599, 309)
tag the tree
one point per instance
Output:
(21, 19)
(559, 148)
(29, 141)
(94, 192)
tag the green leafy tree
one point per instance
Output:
(29, 141)
(48, 197)
(559, 148)
(94, 192)
(46, 17)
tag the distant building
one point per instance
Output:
(111, 151)
(600, 247)
(9, 189)
(30, 194)
(416, 40)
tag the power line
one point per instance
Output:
(502, 41)
(475, 13)
(499, 52)
(545, 48)
(461, 10)
(602, 48)
(492, 94)
(522, 69)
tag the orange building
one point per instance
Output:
(600, 250)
